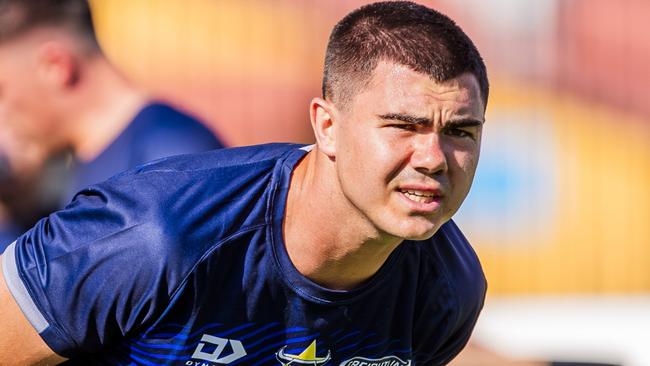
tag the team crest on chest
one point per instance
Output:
(306, 357)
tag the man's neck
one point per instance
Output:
(328, 240)
(108, 102)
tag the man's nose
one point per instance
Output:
(429, 155)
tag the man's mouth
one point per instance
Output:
(420, 196)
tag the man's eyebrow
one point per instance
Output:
(455, 123)
(406, 118)
(463, 122)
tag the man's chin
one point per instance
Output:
(418, 234)
(411, 227)
(420, 237)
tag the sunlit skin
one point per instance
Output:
(408, 133)
(394, 163)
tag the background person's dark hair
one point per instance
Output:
(20, 16)
(402, 32)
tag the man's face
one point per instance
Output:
(407, 149)
(27, 121)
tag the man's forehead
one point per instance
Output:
(397, 74)
(399, 86)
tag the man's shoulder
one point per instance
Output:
(159, 130)
(228, 158)
(157, 118)
(219, 192)
(221, 189)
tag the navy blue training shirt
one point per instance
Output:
(182, 262)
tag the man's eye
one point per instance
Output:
(405, 126)
(459, 133)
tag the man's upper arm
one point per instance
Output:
(20, 343)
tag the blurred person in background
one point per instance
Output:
(68, 117)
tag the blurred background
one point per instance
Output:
(560, 210)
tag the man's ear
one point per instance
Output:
(323, 116)
(58, 66)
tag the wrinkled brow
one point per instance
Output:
(455, 123)
(406, 118)
(463, 122)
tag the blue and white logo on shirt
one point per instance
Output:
(217, 355)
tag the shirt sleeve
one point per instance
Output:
(457, 340)
(95, 271)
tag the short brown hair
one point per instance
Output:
(402, 32)
(20, 16)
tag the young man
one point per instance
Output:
(342, 253)
(59, 93)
